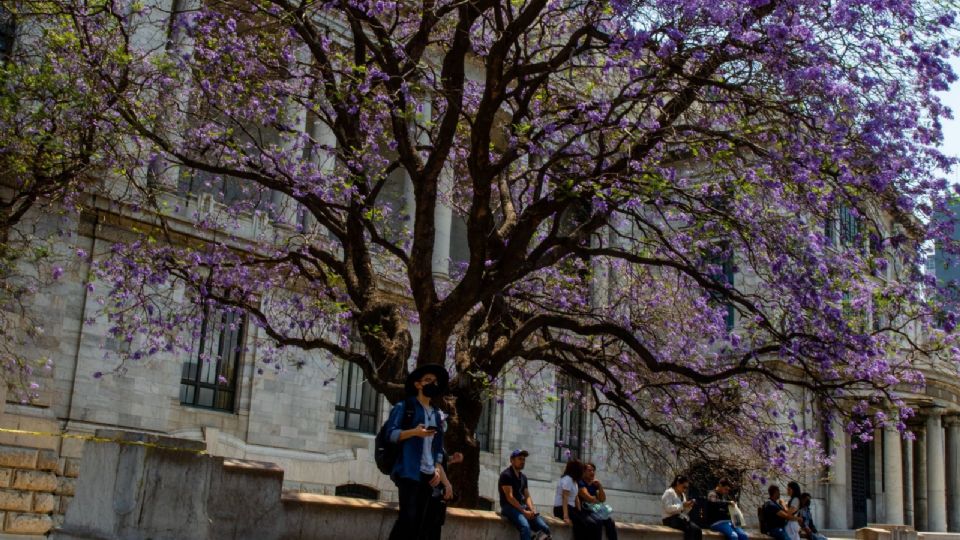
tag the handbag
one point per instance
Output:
(600, 511)
(736, 516)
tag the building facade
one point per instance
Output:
(317, 418)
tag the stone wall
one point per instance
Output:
(136, 487)
(36, 482)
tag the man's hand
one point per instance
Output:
(435, 481)
(422, 431)
(529, 514)
(457, 457)
(447, 491)
(688, 504)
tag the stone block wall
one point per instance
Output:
(36, 486)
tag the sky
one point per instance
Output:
(951, 128)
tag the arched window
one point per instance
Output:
(357, 491)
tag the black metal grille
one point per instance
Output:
(860, 482)
(571, 415)
(209, 377)
(849, 227)
(485, 426)
(358, 491)
(358, 404)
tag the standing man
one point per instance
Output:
(775, 516)
(419, 466)
(515, 502)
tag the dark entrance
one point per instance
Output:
(860, 461)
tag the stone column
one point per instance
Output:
(936, 470)
(892, 477)
(920, 478)
(839, 498)
(442, 220)
(908, 483)
(952, 424)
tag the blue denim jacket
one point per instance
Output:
(411, 450)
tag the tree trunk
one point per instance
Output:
(460, 437)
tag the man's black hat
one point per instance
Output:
(443, 378)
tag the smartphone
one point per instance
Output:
(431, 428)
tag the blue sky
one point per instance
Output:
(951, 128)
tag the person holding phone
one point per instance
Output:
(675, 509)
(419, 468)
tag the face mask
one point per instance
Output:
(431, 390)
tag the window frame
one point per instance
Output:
(343, 409)
(217, 387)
(567, 386)
(484, 436)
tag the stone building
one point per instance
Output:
(317, 420)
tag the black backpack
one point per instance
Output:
(762, 516)
(386, 452)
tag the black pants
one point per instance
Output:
(691, 531)
(416, 512)
(584, 528)
(607, 525)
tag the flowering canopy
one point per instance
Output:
(691, 206)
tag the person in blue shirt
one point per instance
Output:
(807, 527)
(591, 493)
(419, 467)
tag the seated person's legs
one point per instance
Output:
(519, 521)
(726, 529)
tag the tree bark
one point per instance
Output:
(461, 437)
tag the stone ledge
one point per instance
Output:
(251, 466)
(350, 503)
(168, 443)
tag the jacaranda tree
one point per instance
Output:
(51, 150)
(633, 177)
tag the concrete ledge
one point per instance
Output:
(151, 440)
(132, 492)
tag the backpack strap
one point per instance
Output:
(409, 411)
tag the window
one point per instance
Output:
(358, 404)
(485, 426)
(209, 377)
(8, 31)
(358, 491)
(720, 269)
(842, 228)
(571, 416)
(484, 503)
(849, 227)
(227, 190)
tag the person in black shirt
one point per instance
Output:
(515, 502)
(591, 493)
(775, 516)
(716, 512)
